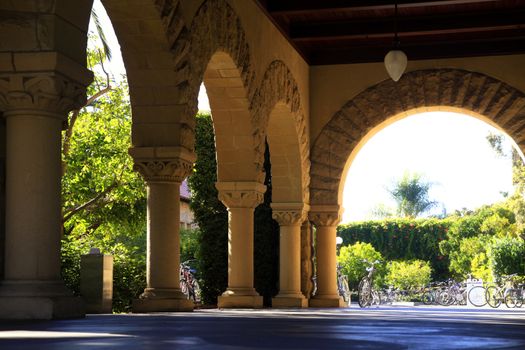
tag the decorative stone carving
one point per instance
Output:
(162, 164)
(289, 217)
(325, 218)
(500, 102)
(241, 194)
(50, 93)
(175, 170)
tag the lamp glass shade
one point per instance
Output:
(395, 64)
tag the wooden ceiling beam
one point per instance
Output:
(416, 25)
(295, 7)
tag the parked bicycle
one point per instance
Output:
(498, 294)
(188, 283)
(342, 285)
(367, 296)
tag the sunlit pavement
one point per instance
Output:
(352, 328)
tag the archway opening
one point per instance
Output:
(449, 149)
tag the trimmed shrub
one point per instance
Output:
(508, 256)
(408, 275)
(351, 261)
(398, 239)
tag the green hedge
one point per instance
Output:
(402, 239)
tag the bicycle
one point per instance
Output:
(342, 285)
(496, 295)
(188, 283)
(366, 295)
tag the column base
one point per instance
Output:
(39, 300)
(328, 302)
(41, 308)
(162, 305)
(284, 301)
(240, 301)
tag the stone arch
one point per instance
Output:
(483, 96)
(219, 56)
(154, 39)
(279, 116)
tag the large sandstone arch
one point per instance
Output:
(279, 116)
(219, 56)
(483, 96)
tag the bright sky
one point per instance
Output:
(449, 149)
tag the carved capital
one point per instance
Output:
(325, 215)
(162, 164)
(49, 93)
(241, 194)
(174, 170)
(289, 218)
(289, 214)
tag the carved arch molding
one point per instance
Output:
(501, 103)
(216, 27)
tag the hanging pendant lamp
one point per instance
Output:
(395, 60)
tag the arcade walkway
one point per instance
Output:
(383, 328)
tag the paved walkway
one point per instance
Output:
(353, 328)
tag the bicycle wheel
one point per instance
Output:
(376, 298)
(445, 298)
(346, 291)
(428, 298)
(184, 288)
(493, 296)
(364, 293)
(476, 296)
(196, 292)
(511, 299)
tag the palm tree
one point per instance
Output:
(411, 195)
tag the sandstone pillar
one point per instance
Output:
(163, 169)
(290, 217)
(307, 261)
(35, 107)
(240, 198)
(325, 220)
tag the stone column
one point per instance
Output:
(290, 216)
(325, 220)
(240, 198)
(163, 169)
(307, 261)
(35, 107)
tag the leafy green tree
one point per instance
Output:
(352, 261)
(411, 195)
(104, 200)
(508, 256)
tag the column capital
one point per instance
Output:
(48, 93)
(289, 214)
(162, 164)
(241, 194)
(326, 215)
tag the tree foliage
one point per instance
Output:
(352, 261)
(411, 195)
(103, 199)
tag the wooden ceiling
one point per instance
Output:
(346, 31)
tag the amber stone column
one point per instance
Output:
(290, 216)
(325, 220)
(163, 169)
(241, 199)
(35, 107)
